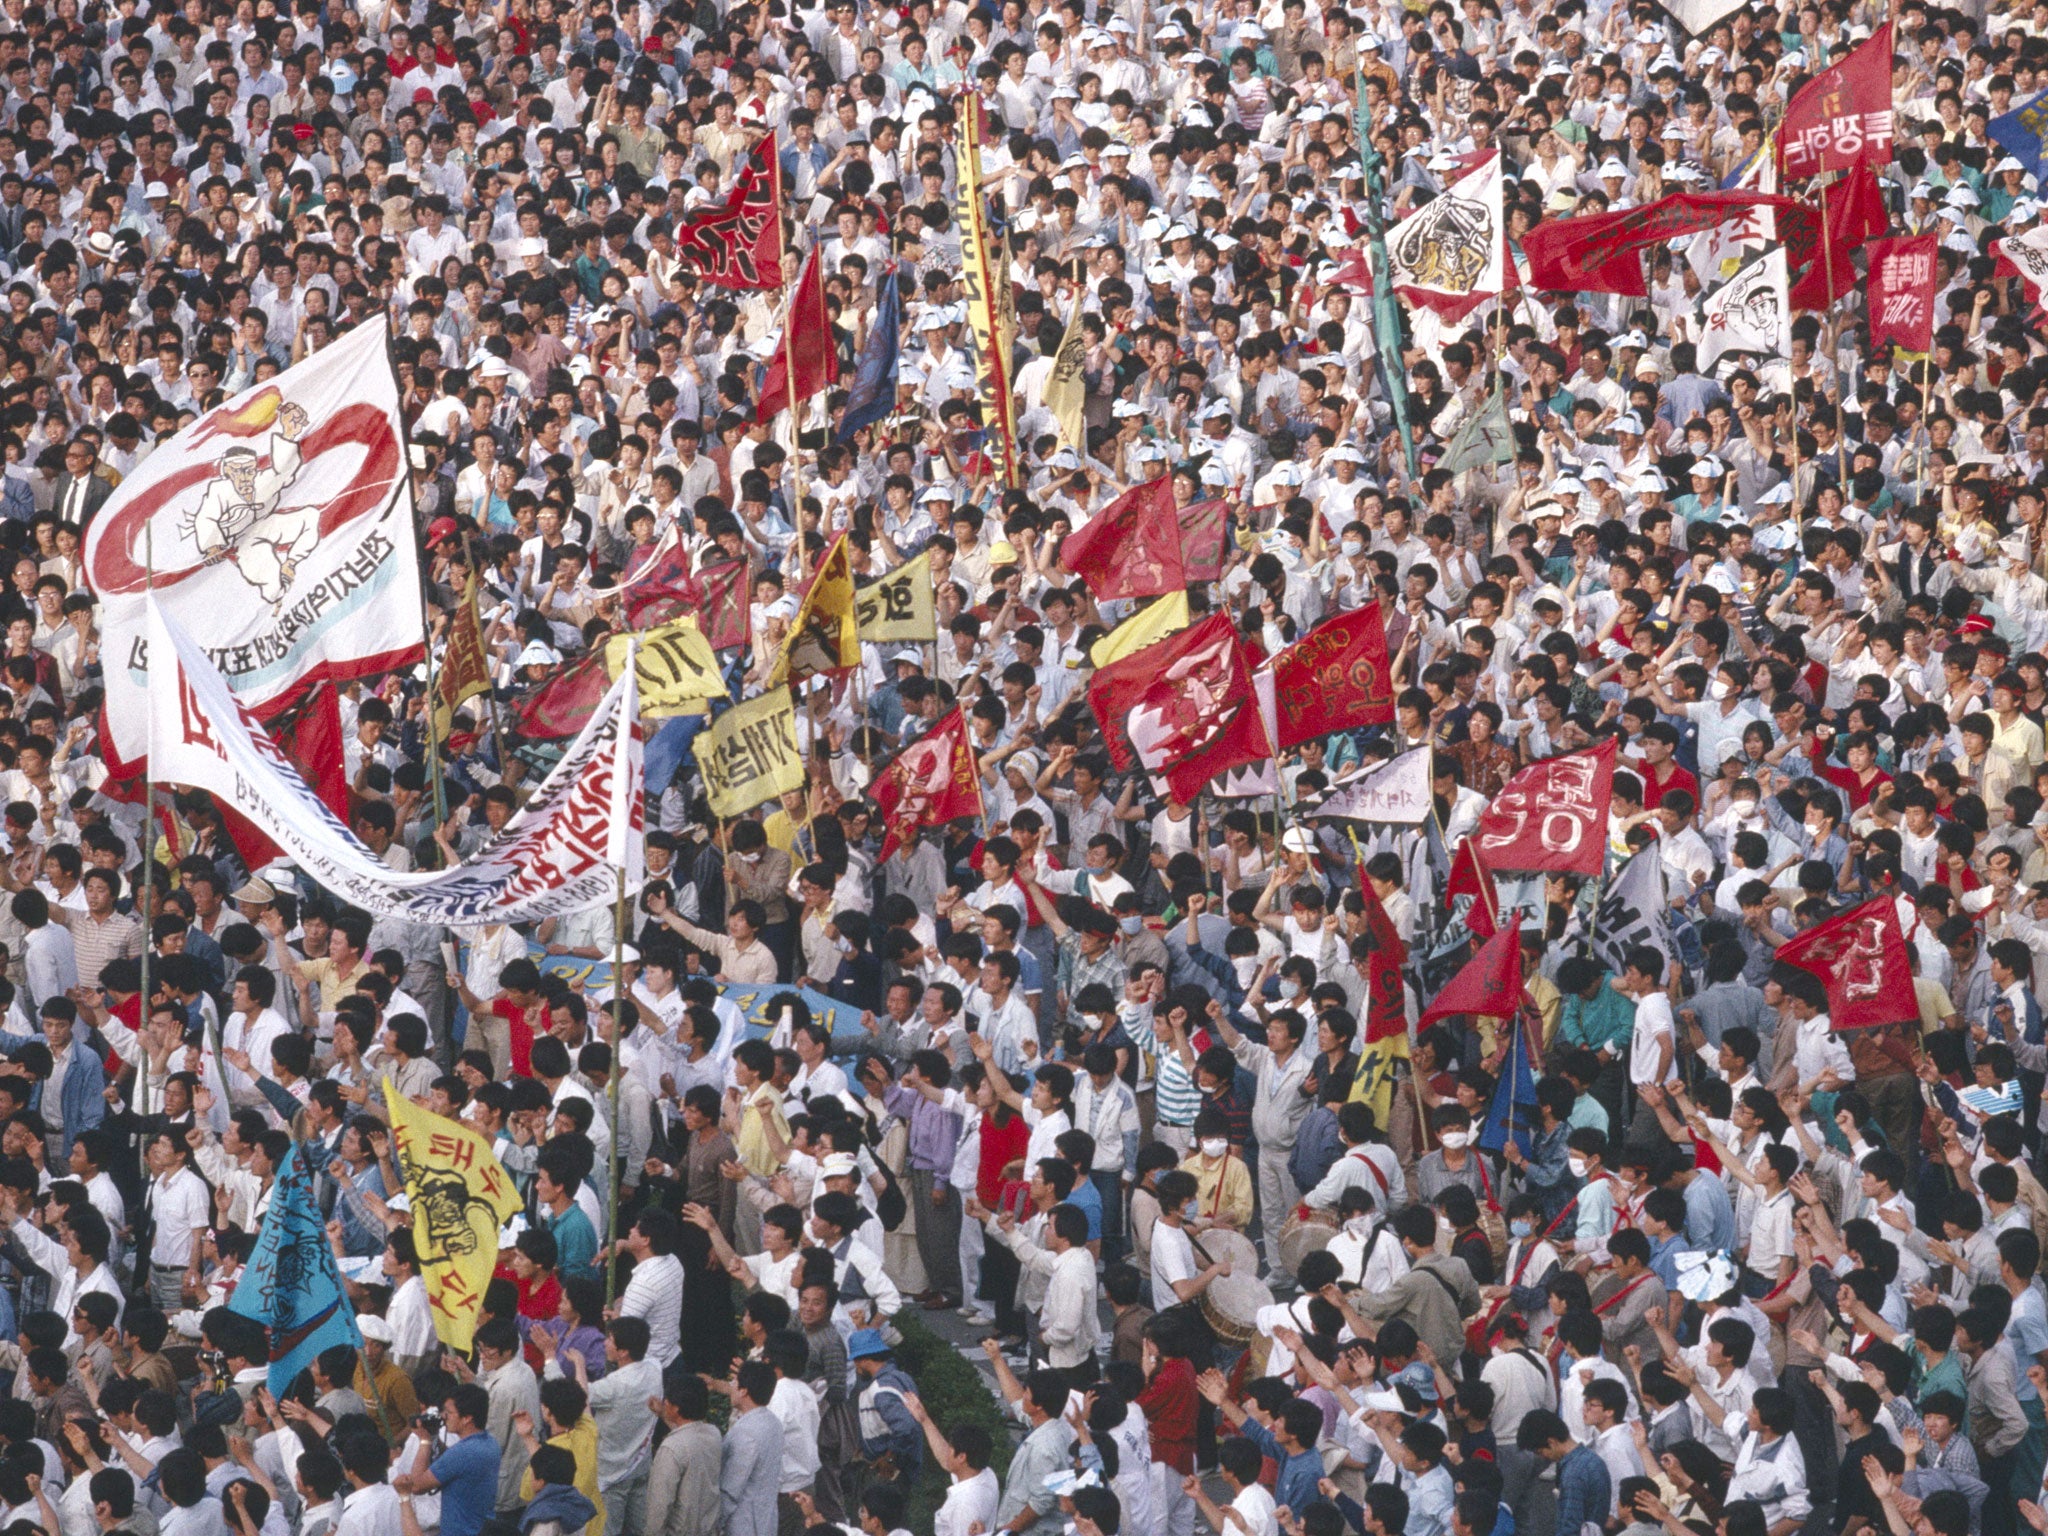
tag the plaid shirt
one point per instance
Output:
(1077, 972)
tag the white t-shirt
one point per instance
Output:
(1653, 1022)
(1173, 1260)
(1255, 1505)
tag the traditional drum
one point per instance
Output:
(1231, 1303)
(1305, 1234)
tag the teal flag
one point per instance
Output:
(1487, 439)
(291, 1284)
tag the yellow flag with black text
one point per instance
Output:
(826, 635)
(678, 669)
(750, 755)
(899, 606)
(460, 1196)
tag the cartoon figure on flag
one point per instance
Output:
(239, 517)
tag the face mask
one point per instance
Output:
(1246, 970)
(1577, 1166)
(846, 946)
(1352, 548)
(1456, 1139)
(1358, 1226)
(751, 858)
(1522, 1228)
(1289, 989)
(1718, 689)
(1131, 924)
(1214, 1146)
(1189, 1211)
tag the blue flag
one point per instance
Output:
(1512, 1115)
(873, 394)
(2023, 133)
(291, 1284)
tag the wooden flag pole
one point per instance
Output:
(796, 448)
(138, 1100)
(620, 1003)
(434, 737)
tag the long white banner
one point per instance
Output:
(1394, 791)
(279, 530)
(559, 854)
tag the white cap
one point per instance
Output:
(1710, 467)
(1218, 410)
(1779, 495)
(2008, 164)
(1629, 422)
(538, 655)
(1568, 485)
(1344, 453)
(1286, 472)
(1611, 167)
(156, 189)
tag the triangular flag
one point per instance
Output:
(1489, 985)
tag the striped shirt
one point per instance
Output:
(1175, 1096)
(656, 1293)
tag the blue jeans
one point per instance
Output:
(1110, 1186)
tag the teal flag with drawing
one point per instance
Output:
(1487, 439)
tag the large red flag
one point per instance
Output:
(1902, 278)
(1861, 957)
(727, 614)
(1855, 213)
(661, 589)
(928, 783)
(1131, 548)
(1553, 814)
(1183, 709)
(1600, 252)
(1335, 677)
(563, 704)
(1386, 1014)
(1204, 536)
(1489, 985)
(738, 243)
(1470, 877)
(808, 340)
(1842, 117)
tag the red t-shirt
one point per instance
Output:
(1674, 777)
(1001, 1145)
(1169, 1403)
(521, 1033)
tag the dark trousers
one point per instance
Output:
(1110, 1187)
(999, 1276)
(710, 1338)
(937, 1206)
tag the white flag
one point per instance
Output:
(561, 853)
(1448, 253)
(1394, 791)
(1751, 312)
(1698, 15)
(278, 530)
(2028, 256)
(1631, 911)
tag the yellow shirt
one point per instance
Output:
(329, 985)
(753, 1145)
(580, 1442)
(1234, 1206)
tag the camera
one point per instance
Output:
(430, 1421)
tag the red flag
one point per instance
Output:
(1861, 957)
(661, 589)
(1183, 709)
(1553, 814)
(1471, 877)
(727, 613)
(310, 733)
(1600, 252)
(1855, 213)
(809, 342)
(1902, 277)
(563, 704)
(1489, 985)
(1842, 117)
(1131, 548)
(1335, 677)
(928, 783)
(1386, 1014)
(1204, 539)
(738, 244)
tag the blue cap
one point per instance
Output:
(865, 1344)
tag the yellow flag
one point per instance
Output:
(750, 754)
(1167, 616)
(677, 667)
(1066, 387)
(1374, 1084)
(899, 606)
(826, 634)
(460, 1196)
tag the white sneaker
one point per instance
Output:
(982, 1319)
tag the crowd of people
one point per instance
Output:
(1102, 1121)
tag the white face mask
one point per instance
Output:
(1352, 548)
(1289, 989)
(1718, 689)
(1246, 970)
(1456, 1139)
(1745, 808)
(1214, 1146)
(1577, 1166)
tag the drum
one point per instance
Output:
(1231, 1303)
(1306, 1234)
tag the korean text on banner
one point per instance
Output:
(460, 1196)
(750, 754)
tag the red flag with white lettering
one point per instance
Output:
(1553, 814)
(1902, 278)
(1470, 877)
(1842, 117)
(1184, 708)
(1860, 955)
(929, 783)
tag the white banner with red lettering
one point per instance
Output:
(278, 529)
(561, 853)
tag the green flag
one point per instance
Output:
(1487, 439)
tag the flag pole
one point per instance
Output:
(796, 447)
(1386, 314)
(433, 701)
(139, 1098)
(619, 1006)
(490, 696)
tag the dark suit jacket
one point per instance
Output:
(96, 493)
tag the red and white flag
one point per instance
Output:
(1449, 254)
(929, 783)
(1184, 709)
(1842, 118)
(808, 343)
(738, 244)
(1902, 278)
(1861, 957)
(1553, 814)
(2026, 258)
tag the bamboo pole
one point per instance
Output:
(619, 1005)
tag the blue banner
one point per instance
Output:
(753, 1002)
(291, 1284)
(2023, 133)
(1512, 1115)
(873, 393)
